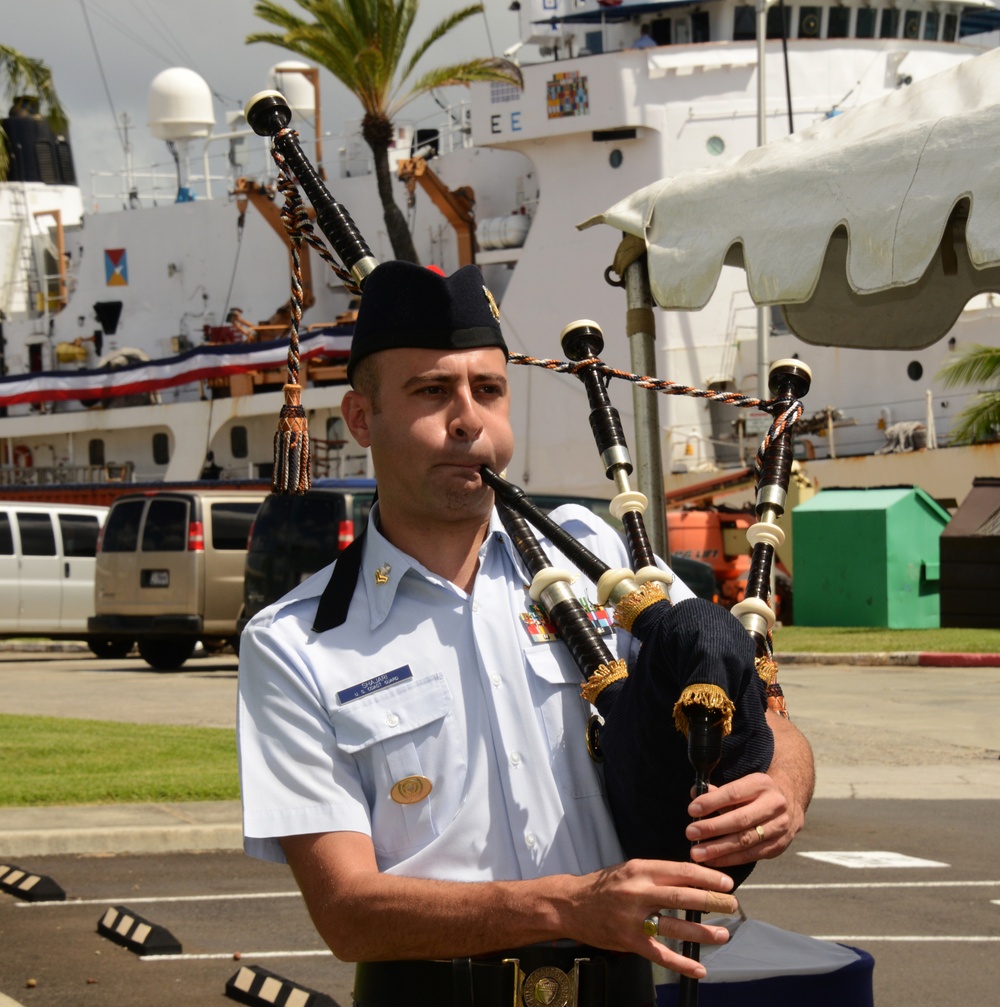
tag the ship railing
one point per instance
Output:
(62, 475)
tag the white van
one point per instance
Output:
(47, 562)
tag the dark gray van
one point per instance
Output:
(294, 536)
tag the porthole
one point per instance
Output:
(615, 158)
(915, 370)
(715, 145)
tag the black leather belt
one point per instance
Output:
(534, 976)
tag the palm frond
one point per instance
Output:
(475, 71)
(438, 32)
(978, 365)
(24, 74)
(979, 422)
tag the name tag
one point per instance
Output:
(374, 684)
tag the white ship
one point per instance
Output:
(153, 283)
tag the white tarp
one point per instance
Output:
(856, 225)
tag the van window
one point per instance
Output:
(6, 536)
(231, 524)
(121, 533)
(166, 526)
(38, 538)
(79, 534)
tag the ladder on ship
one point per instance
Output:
(23, 277)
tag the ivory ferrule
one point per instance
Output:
(624, 503)
(654, 575)
(767, 532)
(615, 584)
(546, 578)
(755, 615)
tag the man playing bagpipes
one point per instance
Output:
(412, 733)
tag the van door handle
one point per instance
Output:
(66, 568)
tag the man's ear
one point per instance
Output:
(356, 409)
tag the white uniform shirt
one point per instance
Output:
(425, 680)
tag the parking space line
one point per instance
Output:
(869, 884)
(163, 898)
(243, 955)
(867, 939)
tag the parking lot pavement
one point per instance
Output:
(883, 732)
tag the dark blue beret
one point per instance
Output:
(408, 306)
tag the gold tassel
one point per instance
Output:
(628, 609)
(600, 679)
(292, 470)
(713, 697)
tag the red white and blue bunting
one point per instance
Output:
(143, 376)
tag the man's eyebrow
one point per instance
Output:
(447, 378)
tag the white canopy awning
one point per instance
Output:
(873, 228)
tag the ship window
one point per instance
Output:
(810, 19)
(911, 24)
(615, 158)
(839, 22)
(238, 442)
(779, 21)
(161, 449)
(931, 23)
(660, 30)
(715, 145)
(889, 25)
(700, 29)
(950, 27)
(866, 23)
(593, 42)
(914, 370)
(95, 451)
(744, 23)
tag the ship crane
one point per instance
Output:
(457, 205)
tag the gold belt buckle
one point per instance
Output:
(546, 986)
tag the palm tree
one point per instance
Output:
(361, 43)
(979, 366)
(21, 76)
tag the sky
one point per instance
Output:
(104, 54)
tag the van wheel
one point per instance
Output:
(110, 648)
(166, 653)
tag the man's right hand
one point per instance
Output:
(606, 909)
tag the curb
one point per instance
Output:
(913, 659)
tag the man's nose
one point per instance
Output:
(465, 422)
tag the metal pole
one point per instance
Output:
(641, 330)
(763, 350)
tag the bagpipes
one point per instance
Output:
(699, 689)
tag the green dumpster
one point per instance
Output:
(868, 557)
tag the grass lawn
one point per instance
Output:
(842, 639)
(50, 761)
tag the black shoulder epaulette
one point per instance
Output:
(336, 599)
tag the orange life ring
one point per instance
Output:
(22, 456)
